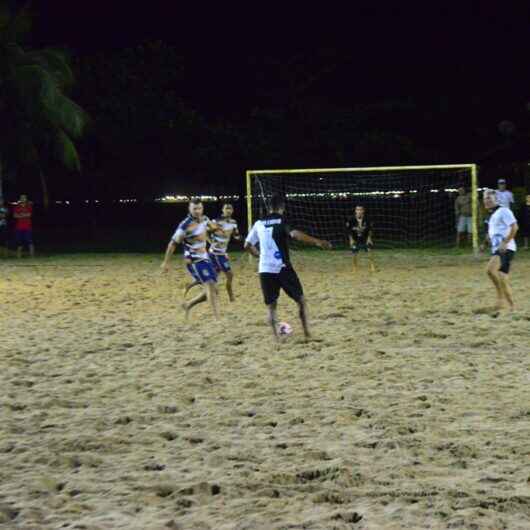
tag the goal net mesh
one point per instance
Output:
(411, 207)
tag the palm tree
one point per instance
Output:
(39, 122)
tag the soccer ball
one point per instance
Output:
(284, 328)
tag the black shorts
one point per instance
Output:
(358, 247)
(3, 236)
(287, 280)
(506, 260)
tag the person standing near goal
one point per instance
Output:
(464, 216)
(275, 269)
(359, 230)
(192, 233)
(503, 195)
(502, 229)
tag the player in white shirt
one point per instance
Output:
(275, 270)
(192, 234)
(502, 229)
(220, 234)
(504, 196)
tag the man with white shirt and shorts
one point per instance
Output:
(192, 234)
(502, 229)
(275, 270)
(503, 195)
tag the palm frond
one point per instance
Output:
(67, 115)
(54, 62)
(66, 151)
(44, 102)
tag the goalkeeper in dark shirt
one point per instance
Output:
(359, 230)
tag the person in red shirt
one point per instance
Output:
(3, 229)
(22, 213)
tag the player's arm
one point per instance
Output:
(251, 241)
(369, 240)
(514, 228)
(485, 243)
(171, 247)
(251, 249)
(310, 240)
(236, 234)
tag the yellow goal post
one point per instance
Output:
(341, 185)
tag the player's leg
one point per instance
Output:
(492, 270)
(292, 286)
(4, 249)
(469, 230)
(504, 278)
(371, 260)
(189, 286)
(458, 231)
(20, 243)
(270, 287)
(302, 313)
(229, 285)
(31, 246)
(199, 299)
(355, 261)
(225, 266)
(190, 267)
(203, 272)
(206, 272)
(272, 318)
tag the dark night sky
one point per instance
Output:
(373, 52)
(239, 59)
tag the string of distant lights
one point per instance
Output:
(168, 199)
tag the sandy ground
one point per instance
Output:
(409, 410)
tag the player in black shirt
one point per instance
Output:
(359, 230)
(276, 272)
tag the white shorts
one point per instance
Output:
(465, 224)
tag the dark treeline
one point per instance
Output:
(154, 129)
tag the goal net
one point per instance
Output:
(408, 206)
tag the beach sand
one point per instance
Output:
(410, 409)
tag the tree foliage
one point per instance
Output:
(40, 122)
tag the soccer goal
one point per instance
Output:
(408, 206)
